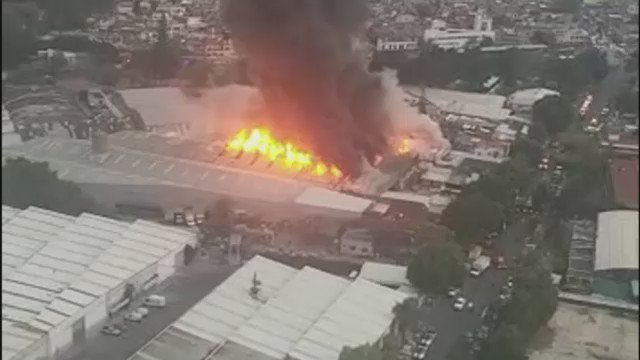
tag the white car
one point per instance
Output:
(155, 301)
(459, 303)
(453, 292)
(134, 316)
(142, 311)
(475, 272)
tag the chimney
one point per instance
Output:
(98, 142)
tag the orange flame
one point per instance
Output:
(404, 147)
(260, 141)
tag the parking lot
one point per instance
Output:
(182, 291)
(451, 324)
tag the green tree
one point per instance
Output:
(56, 63)
(534, 299)
(405, 317)
(504, 343)
(18, 38)
(26, 183)
(528, 150)
(107, 74)
(197, 74)
(543, 37)
(627, 102)
(472, 215)
(437, 266)
(555, 113)
(566, 6)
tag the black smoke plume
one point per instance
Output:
(304, 58)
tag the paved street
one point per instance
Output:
(182, 291)
(451, 324)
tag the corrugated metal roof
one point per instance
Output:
(617, 240)
(57, 264)
(332, 200)
(305, 314)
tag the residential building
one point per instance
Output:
(449, 38)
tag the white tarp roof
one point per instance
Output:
(405, 196)
(617, 240)
(528, 97)
(385, 274)
(333, 200)
(305, 314)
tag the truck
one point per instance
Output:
(481, 264)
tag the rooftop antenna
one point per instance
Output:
(255, 286)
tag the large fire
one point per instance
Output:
(260, 141)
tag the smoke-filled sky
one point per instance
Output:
(314, 80)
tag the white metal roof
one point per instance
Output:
(303, 314)
(282, 321)
(8, 212)
(528, 97)
(385, 274)
(26, 232)
(617, 240)
(60, 264)
(405, 196)
(328, 199)
(362, 314)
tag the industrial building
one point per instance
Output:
(604, 259)
(139, 167)
(270, 311)
(62, 276)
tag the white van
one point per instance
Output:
(155, 301)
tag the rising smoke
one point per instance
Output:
(305, 59)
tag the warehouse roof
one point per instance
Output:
(54, 265)
(617, 240)
(528, 97)
(385, 274)
(328, 199)
(303, 314)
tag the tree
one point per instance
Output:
(437, 266)
(164, 59)
(404, 317)
(543, 37)
(107, 75)
(197, 74)
(26, 183)
(627, 102)
(505, 343)
(528, 150)
(18, 40)
(566, 6)
(56, 62)
(534, 299)
(472, 215)
(555, 113)
(136, 8)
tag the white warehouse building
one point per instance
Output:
(270, 311)
(63, 275)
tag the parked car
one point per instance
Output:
(111, 330)
(500, 263)
(453, 292)
(459, 303)
(134, 316)
(471, 306)
(155, 301)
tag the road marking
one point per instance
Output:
(119, 158)
(204, 176)
(185, 172)
(153, 165)
(169, 168)
(135, 163)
